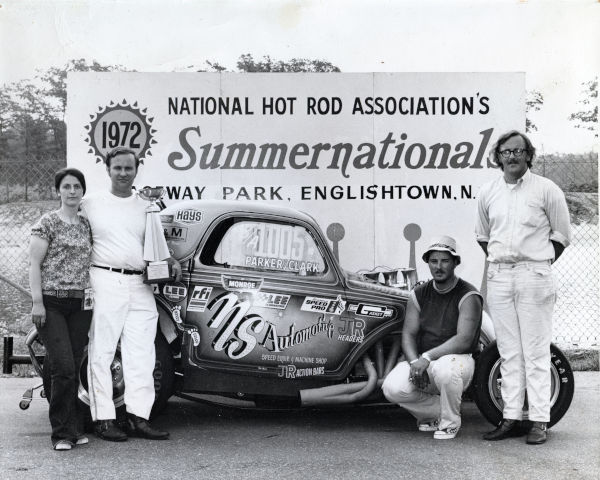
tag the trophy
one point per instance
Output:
(156, 250)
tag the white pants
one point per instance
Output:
(124, 309)
(520, 298)
(449, 377)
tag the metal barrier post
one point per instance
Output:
(9, 359)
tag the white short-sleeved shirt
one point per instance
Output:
(118, 229)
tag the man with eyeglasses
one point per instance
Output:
(523, 227)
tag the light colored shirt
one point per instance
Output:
(519, 222)
(118, 229)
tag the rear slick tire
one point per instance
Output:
(487, 380)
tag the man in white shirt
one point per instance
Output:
(523, 227)
(124, 307)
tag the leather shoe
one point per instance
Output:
(506, 429)
(108, 430)
(140, 427)
(538, 433)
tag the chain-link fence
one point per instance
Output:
(27, 191)
(576, 322)
(28, 181)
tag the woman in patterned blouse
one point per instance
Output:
(60, 250)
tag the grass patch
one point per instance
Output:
(583, 360)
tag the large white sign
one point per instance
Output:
(392, 158)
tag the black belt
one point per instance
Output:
(124, 271)
(63, 293)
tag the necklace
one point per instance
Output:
(447, 289)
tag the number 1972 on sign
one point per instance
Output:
(120, 134)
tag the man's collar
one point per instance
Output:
(523, 180)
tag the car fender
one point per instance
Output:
(487, 335)
(166, 322)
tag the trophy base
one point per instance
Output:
(158, 272)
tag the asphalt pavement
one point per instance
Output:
(357, 443)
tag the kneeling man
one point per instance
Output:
(441, 330)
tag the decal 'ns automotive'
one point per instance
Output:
(239, 333)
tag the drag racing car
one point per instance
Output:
(265, 317)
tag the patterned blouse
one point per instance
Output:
(67, 261)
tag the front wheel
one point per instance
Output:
(487, 381)
(163, 374)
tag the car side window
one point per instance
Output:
(264, 246)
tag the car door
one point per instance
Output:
(266, 299)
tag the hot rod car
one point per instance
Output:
(266, 317)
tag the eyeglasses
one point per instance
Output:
(517, 152)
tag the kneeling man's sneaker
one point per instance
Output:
(446, 433)
(428, 426)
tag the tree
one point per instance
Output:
(215, 66)
(54, 80)
(32, 111)
(23, 111)
(587, 117)
(533, 101)
(246, 63)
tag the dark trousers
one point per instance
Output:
(65, 335)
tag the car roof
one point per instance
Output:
(186, 222)
(215, 208)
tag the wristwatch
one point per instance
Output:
(426, 357)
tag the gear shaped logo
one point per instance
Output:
(120, 125)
